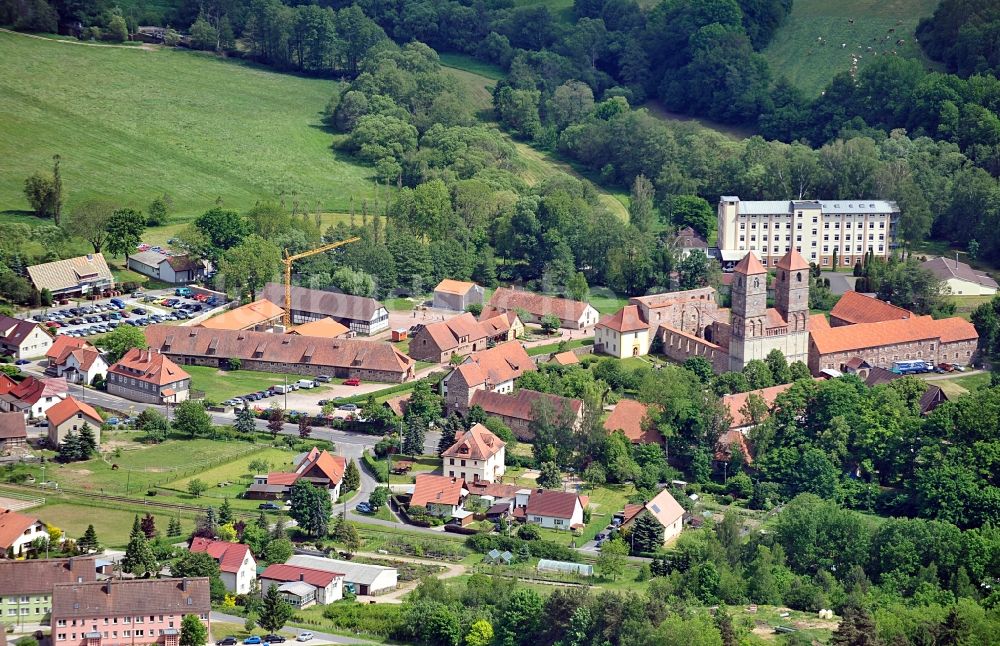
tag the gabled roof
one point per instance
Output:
(321, 464)
(63, 345)
(793, 261)
(68, 274)
(627, 319)
(459, 287)
(398, 404)
(326, 328)
(631, 417)
(736, 402)
(439, 490)
(496, 365)
(355, 572)
(6, 384)
(12, 426)
(749, 266)
(32, 389)
(567, 358)
(497, 324)
(39, 575)
(449, 334)
(229, 555)
(70, 407)
(123, 597)
(13, 331)
(282, 478)
(664, 508)
(339, 306)
(479, 443)
(245, 316)
(552, 504)
(149, 366)
(278, 348)
(855, 307)
(538, 305)
(873, 335)
(13, 525)
(945, 269)
(521, 404)
(724, 447)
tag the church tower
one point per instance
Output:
(791, 299)
(749, 311)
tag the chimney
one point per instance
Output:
(302, 576)
(184, 585)
(107, 587)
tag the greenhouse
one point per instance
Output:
(545, 565)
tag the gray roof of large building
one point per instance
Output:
(353, 572)
(774, 207)
(316, 301)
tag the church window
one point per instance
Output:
(798, 277)
(756, 283)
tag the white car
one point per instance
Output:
(304, 636)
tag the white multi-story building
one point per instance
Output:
(817, 229)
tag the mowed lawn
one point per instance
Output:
(220, 385)
(236, 473)
(112, 525)
(131, 124)
(796, 53)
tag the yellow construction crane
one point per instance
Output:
(289, 259)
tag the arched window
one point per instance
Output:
(798, 277)
(756, 283)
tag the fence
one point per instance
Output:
(18, 500)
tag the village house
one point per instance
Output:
(237, 566)
(27, 586)
(501, 326)
(439, 495)
(117, 612)
(567, 358)
(34, 397)
(688, 240)
(959, 279)
(458, 336)
(573, 315)
(17, 532)
(518, 410)
(632, 418)
(78, 276)
(854, 307)
(320, 468)
(176, 270)
(554, 509)
(622, 334)
(76, 360)
(23, 339)
(457, 295)
(148, 376)
(260, 316)
(477, 454)
(303, 586)
(291, 353)
(493, 370)
(360, 578)
(70, 415)
(664, 508)
(13, 432)
(362, 315)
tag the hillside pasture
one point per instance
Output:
(847, 28)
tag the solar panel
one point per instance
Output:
(656, 508)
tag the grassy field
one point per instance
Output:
(131, 124)
(236, 473)
(796, 53)
(112, 525)
(220, 385)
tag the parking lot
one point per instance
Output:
(139, 309)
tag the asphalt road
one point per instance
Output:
(317, 640)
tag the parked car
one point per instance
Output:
(306, 383)
(268, 506)
(325, 379)
(113, 421)
(304, 636)
(959, 368)
(351, 407)
(226, 641)
(53, 324)
(183, 291)
(21, 362)
(353, 381)
(253, 639)
(274, 639)
(364, 507)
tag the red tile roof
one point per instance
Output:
(322, 464)
(282, 478)
(149, 366)
(479, 443)
(13, 525)
(13, 330)
(627, 319)
(792, 261)
(282, 572)
(246, 316)
(538, 305)
(229, 555)
(630, 417)
(449, 334)
(520, 404)
(63, 344)
(69, 407)
(496, 365)
(440, 490)
(855, 307)
(552, 504)
(6, 384)
(736, 402)
(885, 333)
(32, 389)
(12, 426)
(449, 286)
(724, 447)
(567, 358)
(115, 597)
(497, 324)
(749, 265)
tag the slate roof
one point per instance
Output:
(322, 303)
(440, 490)
(628, 417)
(884, 333)
(230, 556)
(565, 309)
(945, 269)
(62, 275)
(116, 597)
(627, 319)
(552, 504)
(478, 443)
(149, 367)
(13, 525)
(12, 426)
(855, 307)
(278, 348)
(245, 316)
(39, 575)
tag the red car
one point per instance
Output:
(53, 324)
(353, 381)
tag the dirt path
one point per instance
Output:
(396, 596)
(144, 47)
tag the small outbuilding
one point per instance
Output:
(457, 295)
